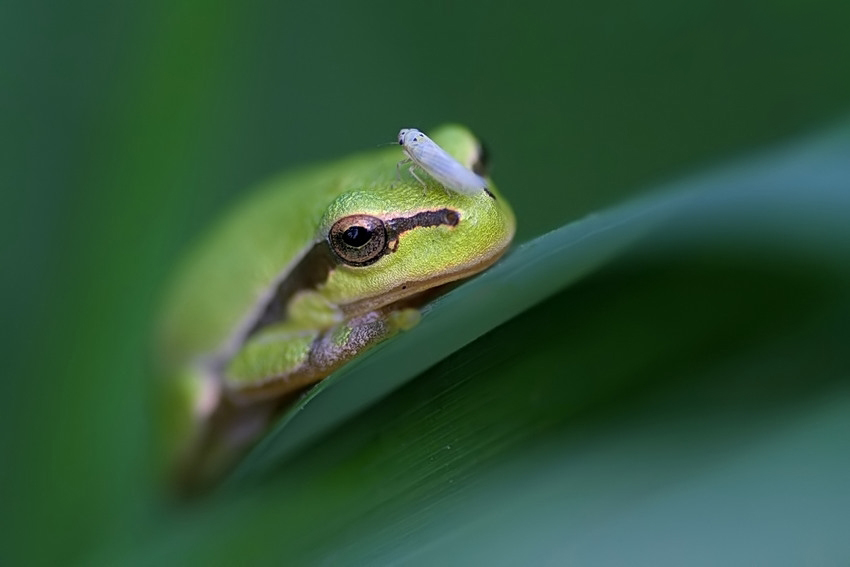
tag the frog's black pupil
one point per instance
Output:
(356, 236)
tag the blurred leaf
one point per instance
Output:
(686, 404)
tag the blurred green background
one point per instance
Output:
(128, 126)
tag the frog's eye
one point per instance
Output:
(358, 240)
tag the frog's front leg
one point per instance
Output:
(344, 342)
(280, 360)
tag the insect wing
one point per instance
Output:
(444, 168)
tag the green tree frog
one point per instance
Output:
(313, 269)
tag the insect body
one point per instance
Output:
(425, 153)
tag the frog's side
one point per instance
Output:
(314, 269)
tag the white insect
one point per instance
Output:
(425, 153)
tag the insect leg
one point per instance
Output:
(398, 168)
(413, 173)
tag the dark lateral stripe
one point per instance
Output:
(423, 219)
(312, 270)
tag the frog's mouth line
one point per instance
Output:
(408, 295)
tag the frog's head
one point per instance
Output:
(389, 243)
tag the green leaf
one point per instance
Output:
(756, 205)
(684, 401)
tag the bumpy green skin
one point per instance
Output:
(233, 272)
